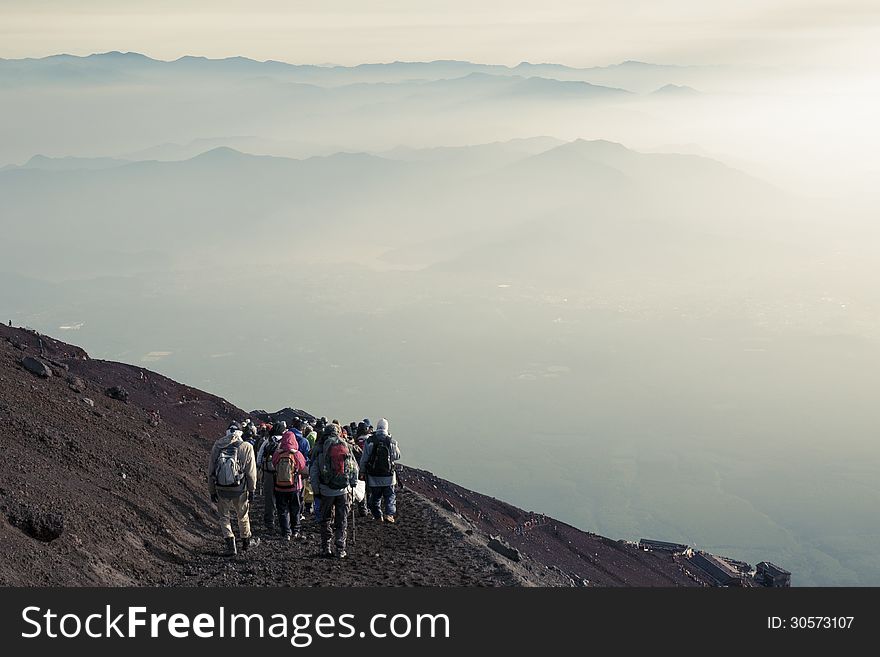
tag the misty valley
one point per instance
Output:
(517, 263)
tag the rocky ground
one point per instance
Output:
(424, 548)
(103, 482)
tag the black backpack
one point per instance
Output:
(380, 464)
(271, 446)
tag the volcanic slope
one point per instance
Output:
(103, 482)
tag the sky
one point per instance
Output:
(804, 33)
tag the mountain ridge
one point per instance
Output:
(134, 55)
(113, 66)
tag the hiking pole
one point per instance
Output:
(353, 518)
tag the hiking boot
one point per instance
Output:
(287, 537)
(341, 554)
(297, 536)
(249, 542)
(326, 552)
(390, 519)
(230, 547)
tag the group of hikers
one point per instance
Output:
(326, 471)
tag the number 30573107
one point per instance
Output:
(820, 622)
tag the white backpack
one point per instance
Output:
(227, 471)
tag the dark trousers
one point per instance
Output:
(337, 505)
(269, 500)
(288, 507)
(383, 500)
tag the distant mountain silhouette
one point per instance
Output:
(523, 196)
(675, 90)
(104, 65)
(547, 87)
(47, 163)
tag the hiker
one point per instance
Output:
(290, 465)
(333, 473)
(361, 435)
(304, 449)
(310, 435)
(360, 439)
(360, 490)
(263, 434)
(320, 429)
(249, 432)
(264, 462)
(308, 497)
(231, 483)
(301, 442)
(380, 454)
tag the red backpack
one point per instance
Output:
(337, 464)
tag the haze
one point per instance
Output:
(576, 32)
(635, 288)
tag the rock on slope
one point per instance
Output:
(103, 482)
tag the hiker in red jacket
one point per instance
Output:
(290, 465)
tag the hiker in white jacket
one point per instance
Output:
(232, 479)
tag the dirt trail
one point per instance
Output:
(422, 549)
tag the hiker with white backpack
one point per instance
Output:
(232, 480)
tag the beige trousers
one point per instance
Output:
(239, 506)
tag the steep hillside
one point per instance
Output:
(582, 558)
(96, 490)
(103, 483)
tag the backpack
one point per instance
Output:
(271, 446)
(380, 464)
(337, 464)
(227, 471)
(286, 471)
